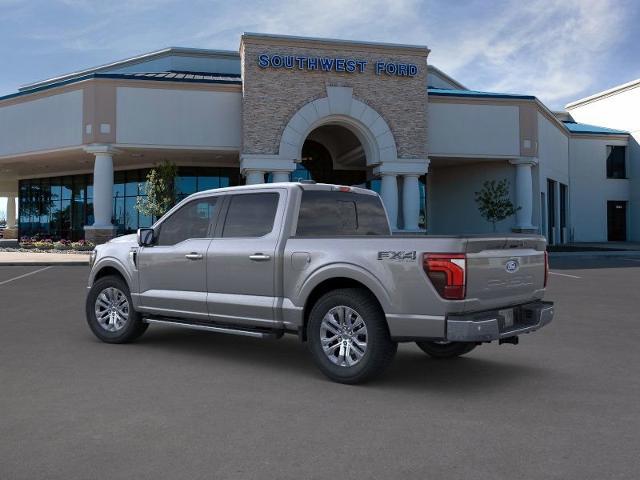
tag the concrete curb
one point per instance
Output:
(44, 264)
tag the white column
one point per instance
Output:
(11, 211)
(103, 190)
(524, 192)
(280, 176)
(253, 177)
(410, 201)
(389, 194)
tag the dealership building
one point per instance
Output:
(75, 149)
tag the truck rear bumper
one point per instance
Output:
(493, 325)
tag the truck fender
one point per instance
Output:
(344, 270)
(112, 262)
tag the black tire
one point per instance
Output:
(446, 350)
(132, 328)
(380, 349)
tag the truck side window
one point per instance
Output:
(251, 215)
(190, 221)
(330, 213)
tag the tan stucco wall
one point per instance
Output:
(272, 96)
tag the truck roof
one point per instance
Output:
(304, 185)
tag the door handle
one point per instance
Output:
(193, 256)
(259, 257)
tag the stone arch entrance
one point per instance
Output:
(345, 141)
(340, 108)
(331, 153)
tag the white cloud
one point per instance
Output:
(554, 49)
(547, 48)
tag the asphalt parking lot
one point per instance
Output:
(564, 404)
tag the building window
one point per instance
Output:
(60, 207)
(616, 161)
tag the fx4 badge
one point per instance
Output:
(400, 256)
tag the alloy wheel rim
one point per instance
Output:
(343, 336)
(112, 309)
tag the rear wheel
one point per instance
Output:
(446, 349)
(348, 336)
(110, 312)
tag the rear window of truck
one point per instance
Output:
(334, 213)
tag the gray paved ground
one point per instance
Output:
(563, 404)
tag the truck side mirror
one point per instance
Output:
(146, 237)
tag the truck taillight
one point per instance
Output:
(546, 268)
(447, 272)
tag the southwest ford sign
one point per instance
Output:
(331, 64)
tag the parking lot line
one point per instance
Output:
(564, 275)
(25, 275)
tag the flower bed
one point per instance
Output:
(36, 244)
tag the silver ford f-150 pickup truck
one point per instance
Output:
(318, 261)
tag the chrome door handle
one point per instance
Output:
(193, 256)
(259, 257)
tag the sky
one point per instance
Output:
(558, 50)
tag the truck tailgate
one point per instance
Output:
(504, 271)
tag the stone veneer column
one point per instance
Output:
(102, 228)
(524, 193)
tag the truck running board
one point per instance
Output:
(214, 328)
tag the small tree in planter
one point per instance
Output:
(160, 190)
(494, 203)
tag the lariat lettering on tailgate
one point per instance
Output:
(397, 256)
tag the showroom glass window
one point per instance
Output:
(60, 207)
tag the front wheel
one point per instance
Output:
(110, 312)
(348, 336)
(446, 349)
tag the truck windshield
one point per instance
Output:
(333, 213)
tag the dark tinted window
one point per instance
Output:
(250, 215)
(616, 161)
(190, 221)
(330, 213)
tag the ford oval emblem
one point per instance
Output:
(512, 266)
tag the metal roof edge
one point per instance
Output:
(130, 61)
(446, 76)
(477, 94)
(604, 93)
(122, 76)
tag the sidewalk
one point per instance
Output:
(635, 246)
(608, 249)
(596, 253)
(42, 259)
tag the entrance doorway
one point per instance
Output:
(333, 154)
(617, 221)
(551, 212)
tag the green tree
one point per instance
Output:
(494, 203)
(160, 190)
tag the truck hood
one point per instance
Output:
(131, 238)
